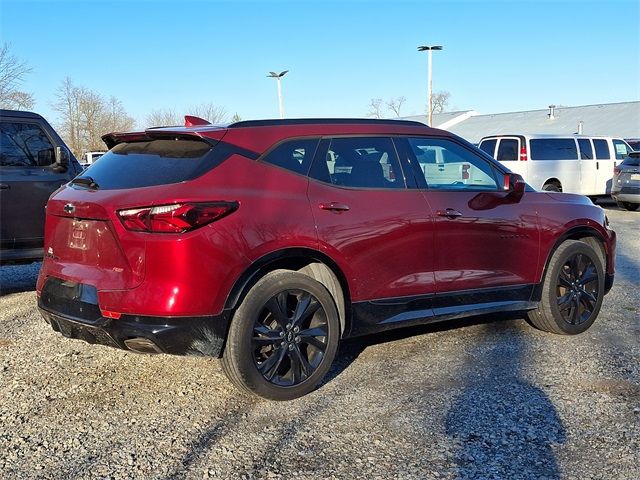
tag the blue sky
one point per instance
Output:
(498, 56)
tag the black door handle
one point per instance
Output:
(334, 206)
(4, 186)
(449, 213)
(597, 165)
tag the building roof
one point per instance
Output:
(610, 119)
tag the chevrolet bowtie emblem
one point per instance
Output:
(69, 208)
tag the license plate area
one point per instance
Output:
(79, 235)
(635, 176)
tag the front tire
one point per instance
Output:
(572, 290)
(283, 337)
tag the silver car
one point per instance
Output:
(626, 182)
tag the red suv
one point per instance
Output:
(266, 242)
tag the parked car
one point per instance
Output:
(634, 143)
(90, 157)
(267, 242)
(34, 162)
(560, 163)
(626, 183)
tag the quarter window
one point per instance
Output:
(447, 165)
(361, 162)
(602, 149)
(24, 145)
(294, 155)
(553, 149)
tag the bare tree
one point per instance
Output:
(115, 118)
(12, 73)
(440, 101)
(163, 118)
(236, 118)
(375, 108)
(209, 111)
(86, 116)
(395, 104)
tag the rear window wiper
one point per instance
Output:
(86, 181)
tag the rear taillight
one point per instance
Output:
(523, 154)
(176, 218)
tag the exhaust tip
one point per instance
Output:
(142, 345)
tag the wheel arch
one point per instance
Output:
(312, 263)
(551, 181)
(582, 233)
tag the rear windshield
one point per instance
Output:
(553, 149)
(631, 161)
(154, 162)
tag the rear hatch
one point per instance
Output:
(628, 177)
(85, 241)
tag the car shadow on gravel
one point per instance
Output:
(18, 278)
(502, 425)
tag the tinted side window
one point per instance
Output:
(508, 150)
(488, 146)
(602, 149)
(447, 165)
(24, 145)
(553, 149)
(294, 155)
(362, 162)
(621, 149)
(586, 152)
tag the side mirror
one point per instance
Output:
(62, 156)
(515, 184)
(63, 159)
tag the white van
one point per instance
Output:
(560, 163)
(90, 157)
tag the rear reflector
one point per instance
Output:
(176, 218)
(108, 314)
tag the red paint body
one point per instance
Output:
(389, 244)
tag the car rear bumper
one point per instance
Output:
(72, 309)
(626, 197)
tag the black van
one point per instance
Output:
(34, 162)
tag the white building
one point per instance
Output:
(610, 119)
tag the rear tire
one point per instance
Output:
(552, 187)
(283, 337)
(632, 207)
(572, 290)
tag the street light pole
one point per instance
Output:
(429, 49)
(278, 77)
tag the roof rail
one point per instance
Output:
(317, 121)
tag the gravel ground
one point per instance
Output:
(484, 398)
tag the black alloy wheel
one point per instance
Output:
(290, 337)
(577, 289)
(572, 289)
(283, 337)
